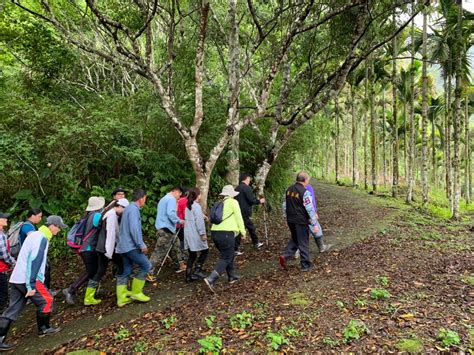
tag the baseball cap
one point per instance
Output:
(123, 202)
(4, 215)
(56, 220)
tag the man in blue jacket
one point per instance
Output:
(165, 224)
(133, 251)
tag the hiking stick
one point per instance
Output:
(173, 240)
(265, 224)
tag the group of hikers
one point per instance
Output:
(114, 233)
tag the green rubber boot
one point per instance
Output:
(123, 295)
(137, 291)
(89, 299)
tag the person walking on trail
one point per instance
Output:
(195, 237)
(133, 251)
(88, 254)
(107, 240)
(247, 199)
(166, 220)
(299, 211)
(223, 236)
(33, 217)
(27, 282)
(118, 194)
(318, 237)
(6, 260)
(181, 212)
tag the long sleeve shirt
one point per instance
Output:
(232, 220)
(130, 235)
(313, 197)
(166, 214)
(6, 259)
(246, 199)
(112, 229)
(31, 262)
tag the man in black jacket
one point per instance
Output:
(247, 199)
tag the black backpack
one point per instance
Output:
(217, 213)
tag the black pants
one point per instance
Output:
(252, 232)
(201, 260)
(181, 238)
(47, 276)
(91, 263)
(299, 241)
(42, 299)
(103, 263)
(224, 242)
(3, 290)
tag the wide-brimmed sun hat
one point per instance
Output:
(228, 190)
(95, 203)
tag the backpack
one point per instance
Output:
(14, 238)
(217, 213)
(77, 234)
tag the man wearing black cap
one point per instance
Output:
(6, 260)
(118, 193)
(27, 281)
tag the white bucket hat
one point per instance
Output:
(228, 190)
(95, 203)
(123, 202)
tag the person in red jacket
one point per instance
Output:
(6, 260)
(180, 211)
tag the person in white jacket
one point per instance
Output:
(108, 238)
(195, 238)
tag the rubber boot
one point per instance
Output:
(137, 291)
(123, 295)
(89, 299)
(321, 246)
(4, 327)
(198, 272)
(44, 328)
(211, 280)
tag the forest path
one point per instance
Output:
(346, 216)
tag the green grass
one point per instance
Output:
(413, 345)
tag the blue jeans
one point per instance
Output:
(130, 258)
(320, 231)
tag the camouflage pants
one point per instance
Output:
(163, 242)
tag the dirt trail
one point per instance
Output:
(347, 216)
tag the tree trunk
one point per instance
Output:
(411, 157)
(396, 144)
(467, 153)
(354, 139)
(336, 141)
(384, 152)
(233, 162)
(447, 145)
(373, 143)
(458, 119)
(424, 117)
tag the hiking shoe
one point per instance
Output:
(309, 268)
(325, 248)
(282, 260)
(44, 331)
(234, 279)
(181, 268)
(238, 252)
(258, 245)
(150, 278)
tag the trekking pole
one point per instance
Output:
(265, 223)
(173, 240)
